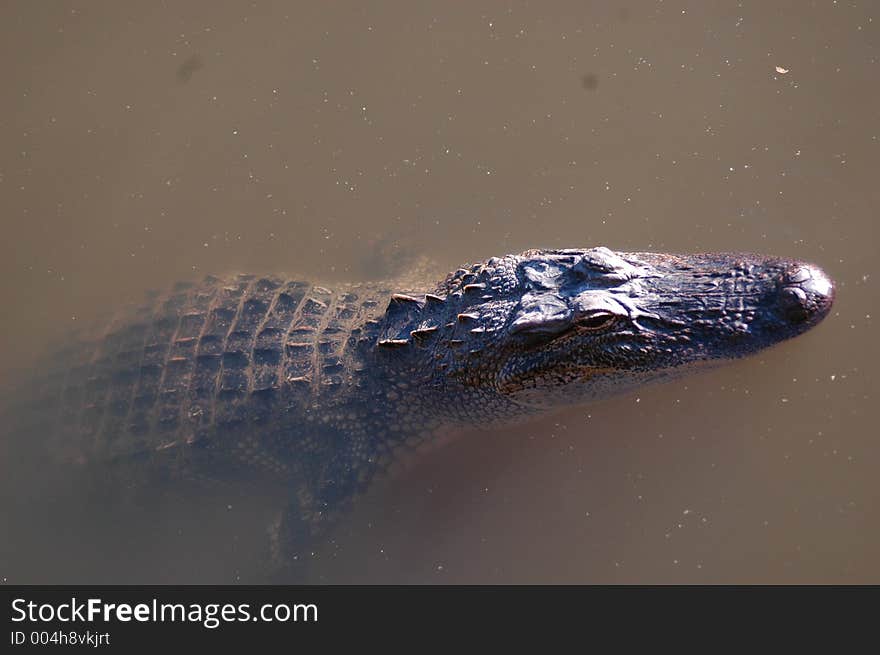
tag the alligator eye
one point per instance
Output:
(597, 321)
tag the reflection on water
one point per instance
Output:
(150, 146)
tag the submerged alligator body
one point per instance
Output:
(323, 389)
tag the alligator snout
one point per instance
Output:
(806, 294)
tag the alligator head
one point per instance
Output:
(550, 327)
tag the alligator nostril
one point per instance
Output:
(794, 303)
(806, 294)
(798, 274)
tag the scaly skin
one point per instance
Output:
(322, 389)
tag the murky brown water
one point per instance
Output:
(144, 144)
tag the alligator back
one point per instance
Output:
(208, 369)
(176, 403)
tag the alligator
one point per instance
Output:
(324, 390)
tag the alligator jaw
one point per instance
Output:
(735, 303)
(596, 322)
